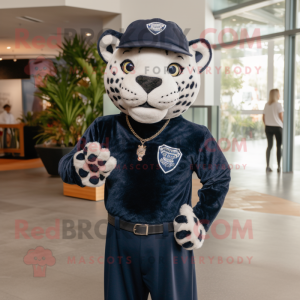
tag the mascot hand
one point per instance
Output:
(93, 164)
(188, 231)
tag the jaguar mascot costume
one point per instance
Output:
(146, 156)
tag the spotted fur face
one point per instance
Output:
(151, 84)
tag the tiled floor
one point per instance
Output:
(265, 264)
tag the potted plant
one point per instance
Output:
(74, 98)
(31, 130)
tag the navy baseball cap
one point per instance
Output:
(155, 33)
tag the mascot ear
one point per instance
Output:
(202, 50)
(107, 44)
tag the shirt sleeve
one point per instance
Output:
(280, 108)
(214, 173)
(66, 167)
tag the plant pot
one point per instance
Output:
(87, 193)
(51, 156)
(30, 141)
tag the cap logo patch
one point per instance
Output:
(156, 27)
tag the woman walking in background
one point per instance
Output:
(273, 120)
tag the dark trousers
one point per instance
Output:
(270, 132)
(138, 265)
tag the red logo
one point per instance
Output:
(39, 258)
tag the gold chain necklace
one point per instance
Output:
(141, 150)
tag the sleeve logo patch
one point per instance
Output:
(168, 158)
(156, 27)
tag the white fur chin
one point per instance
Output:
(147, 115)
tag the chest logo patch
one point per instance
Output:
(168, 158)
(156, 27)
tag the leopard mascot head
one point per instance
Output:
(153, 72)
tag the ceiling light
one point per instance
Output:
(278, 3)
(88, 34)
(8, 47)
(15, 59)
(0, 58)
(30, 19)
(233, 20)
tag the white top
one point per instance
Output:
(271, 113)
(7, 118)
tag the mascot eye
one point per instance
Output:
(175, 69)
(127, 66)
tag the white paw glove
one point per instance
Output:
(93, 164)
(188, 231)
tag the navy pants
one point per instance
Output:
(138, 265)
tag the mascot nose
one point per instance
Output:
(148, 83)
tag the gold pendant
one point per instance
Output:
(141, 151)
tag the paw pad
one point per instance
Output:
(93, 168)
(92, 158)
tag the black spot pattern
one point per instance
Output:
(192, 84)
(178, 88)
(200, 236)
(192, 95)
(107, 80)
(110, 66)
(116, 90)
(102, 177)
(178, 103)
(196, 85)
(94, 180)
(187, 86)
(92, 157)
(181, 219)
(114, 73)
(191, 77)
(181, 96)
(85, 150)
(80, 156)
(188, 245)
(182, 234)
(183, 103)
(186, 95)
(119, 97)
(107, 92)
(83, 173)
(112, 89)
(117, 80)
(189, 103)
(182, 82)
(115, 98)
(111, 81)
(176, 111)
(122, 107)
(93, 168)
